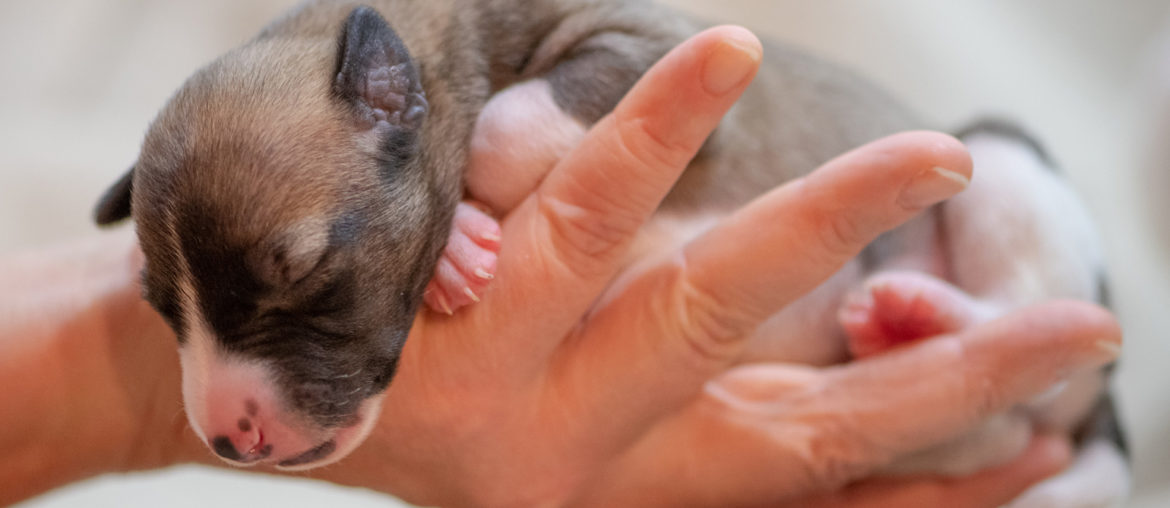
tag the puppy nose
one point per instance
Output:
(241, 441)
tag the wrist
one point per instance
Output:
(84, 361)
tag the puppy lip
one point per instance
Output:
(311, 455)
(237, 463)
(339, 444)
(252, 458)
(315, 455)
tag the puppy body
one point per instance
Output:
(293, 198)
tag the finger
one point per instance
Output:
(763, 432)
(571, 234)
(1044, 457)
(786, 243)
(915, 397)
(690, 315)
(594, 203)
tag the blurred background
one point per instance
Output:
(82, 79)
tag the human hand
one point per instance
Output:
(538, 396)
(819, 429)
(591, 406)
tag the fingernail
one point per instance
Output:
(1102, 352)
(1050, 394)
(731, 62)
(443, 304)
(483, 274)
(491, 237)
(471, 294)
(1110, 348)
(931, 186)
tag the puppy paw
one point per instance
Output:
(468, 264)
(893, 308)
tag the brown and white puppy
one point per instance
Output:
(294, 197)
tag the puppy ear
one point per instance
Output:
(376, 75)
(114, 205)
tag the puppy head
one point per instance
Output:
(289, 227)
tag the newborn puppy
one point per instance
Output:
(295, 196)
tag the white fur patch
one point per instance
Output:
(1016, 204)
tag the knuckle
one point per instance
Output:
(983, 395)
(713, 330)
(836, 453)
(840, 234)
(981, 400)
(593, 214)
(582, 237)
(647, 147)
(977, 388)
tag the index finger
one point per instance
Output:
(572, 233)
(786, 242)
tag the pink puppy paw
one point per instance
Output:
(893, 308)
(468, 263)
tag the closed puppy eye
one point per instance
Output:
(290, 256)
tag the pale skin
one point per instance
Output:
(542, 394)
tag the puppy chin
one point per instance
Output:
(346, 439)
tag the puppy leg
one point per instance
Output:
(576, 75)
(520, 135)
